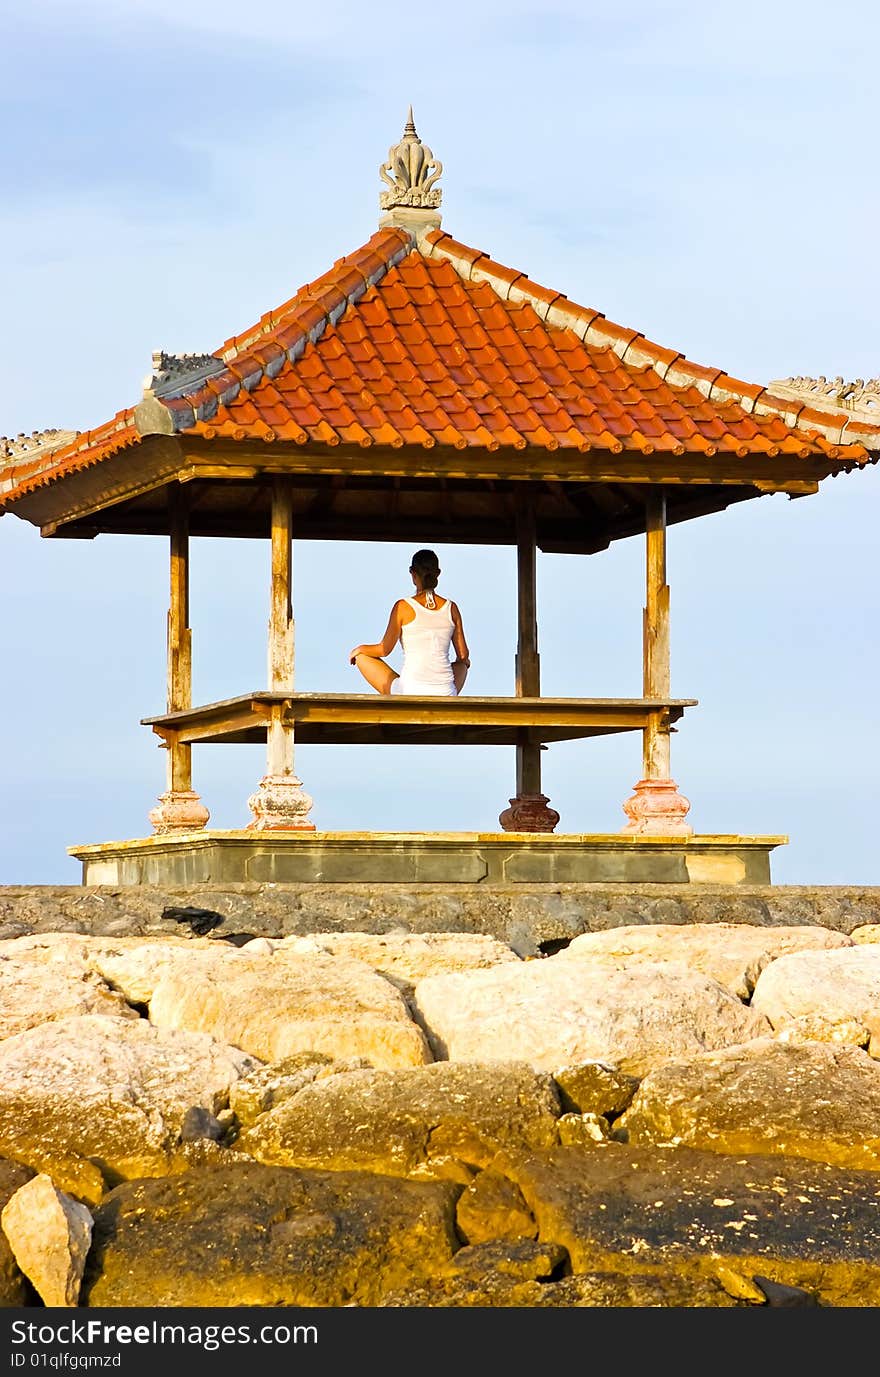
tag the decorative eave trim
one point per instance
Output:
(33, 446)
(856, 400)
(81, 451)
(175, 374)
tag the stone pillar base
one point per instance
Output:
(280, 804)
(529, 813)
(179, 810)
(657, 809)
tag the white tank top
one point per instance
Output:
(426, 640)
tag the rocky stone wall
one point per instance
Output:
(530, 918)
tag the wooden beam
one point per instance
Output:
(656, 664)
(507, 464)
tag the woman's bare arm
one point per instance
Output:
(459, 644)
(388, 641)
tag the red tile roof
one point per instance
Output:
(416, 345)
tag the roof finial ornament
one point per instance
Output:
(410, 174)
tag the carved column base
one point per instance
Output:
(657, 809)
(529, 813)
(179, 810)
(280, 804)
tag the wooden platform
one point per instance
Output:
(369, 719)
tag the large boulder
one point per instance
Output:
(588, 1290)
(36, 991)
(427, 1121)
(837, 990)
(132, 966)
(619, 1208)
(592, 1088)
(275, 1081)
(558, 1011)
(109, 1092)
(49, 1234)
(277, 1005)
(810, 1100)
(252, 1235)
(405, 958)
(734, 954)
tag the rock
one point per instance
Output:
(580, 1129)
(268, 1085)
(76, 1176)
(868, 932)
(616, 1207)
(524, 1258)
(131, 965)
(276, 1006)
(766, 1097)
(554, 1012)
(14, 1288)
(593, 1088)
(814, 1028)
(597, 1290)
(139, 965)
(107, 1089)
(405, 958)
(831, 987)
(734, 954)
(784, 1296)
(198, 1123)
(251, 1235)
(260, 946)
(492, 1207)
(426, 1120)
(49, 1234)
(35, 991)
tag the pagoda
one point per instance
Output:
(421, 391)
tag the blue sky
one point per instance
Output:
(706, 176)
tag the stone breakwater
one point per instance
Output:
(570, 1110)
(524, 916)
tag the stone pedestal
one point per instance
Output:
(280, 804)
(179, 810)
(657, 809)
(529, 813)
(464, 861)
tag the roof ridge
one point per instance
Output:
(635, 349)
(288, 329)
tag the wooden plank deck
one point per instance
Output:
(370, 718)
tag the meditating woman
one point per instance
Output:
(426, 625)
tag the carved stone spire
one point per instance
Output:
(411, 197)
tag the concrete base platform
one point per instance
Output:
(468, 858)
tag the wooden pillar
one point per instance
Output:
(180, 809)
(280, 804)
(656, 807)
(528, 810)
(655, 637)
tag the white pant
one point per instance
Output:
(427, 690)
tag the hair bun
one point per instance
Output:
(426, 564)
